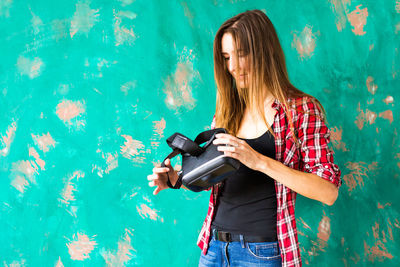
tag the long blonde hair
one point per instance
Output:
(255, 36)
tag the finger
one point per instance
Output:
(221, 141)
(161, 170)
(158, 189)
(151, 177)
(232, 155)
(167, 162)
(223, 135)
(227, 148)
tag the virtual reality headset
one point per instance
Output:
(202, 166)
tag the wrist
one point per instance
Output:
(263, 164)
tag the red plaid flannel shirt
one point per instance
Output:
(312, 155)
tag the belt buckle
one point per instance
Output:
(224, 236)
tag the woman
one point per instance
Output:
(278, 133)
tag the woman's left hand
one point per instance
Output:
(238, 149)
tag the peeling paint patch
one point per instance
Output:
(72, 113)
(359, 171)
(127, 87)
(38, 160)
(378, 251)
(81, 246)
(31, 68)
(397, 30)
(305, 42)
(371, 85)
(67, 194)
(340, 7)
(388, 114)
(146, 212)
(84, 19)
(124, 253)
(380, 206)
(111, 161)
(44, 141)
(358, 19)
(305, 225)
(366, 116)
(23, 173)
(122, 33)
(336, 139)
(37, 23)
(177, 85)
(133, 149)
(7, 139)
(159, 127)
(388, 100)
(59, 263)
(324, 229)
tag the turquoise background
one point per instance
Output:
(90, 90)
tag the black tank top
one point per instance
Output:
(247, 202)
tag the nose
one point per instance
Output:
(231, 64)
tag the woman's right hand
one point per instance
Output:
(159, 177)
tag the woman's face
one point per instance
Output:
(228, 52)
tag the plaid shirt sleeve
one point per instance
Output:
(314, 137)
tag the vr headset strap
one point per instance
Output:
(178, 183)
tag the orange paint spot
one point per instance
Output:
(380, 206)
(59, 263)
(7, 139)
(159, 127)
(146, 212)
(340, 7)
(177, 85)
(371, 85)
(366, 116)
(305, 42)
(81, 246)
(123, 33)
(378, 251)
(336, 139)
(388, 100)
(359, 171)
(133, 149)
(358, 19)
(84, 19)
(324, 229)
(123, 254)
(38, 160)
(67, 194)
(388, 114)
(44, 141)
(305, 225)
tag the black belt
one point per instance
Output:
(229, 237)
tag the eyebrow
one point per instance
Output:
(239, 50)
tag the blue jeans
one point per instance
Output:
(241, 254)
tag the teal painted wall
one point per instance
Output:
(89, 91)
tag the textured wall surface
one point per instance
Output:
(89, 91)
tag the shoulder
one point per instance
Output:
(305, 105)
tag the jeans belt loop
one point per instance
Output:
(242, 241)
